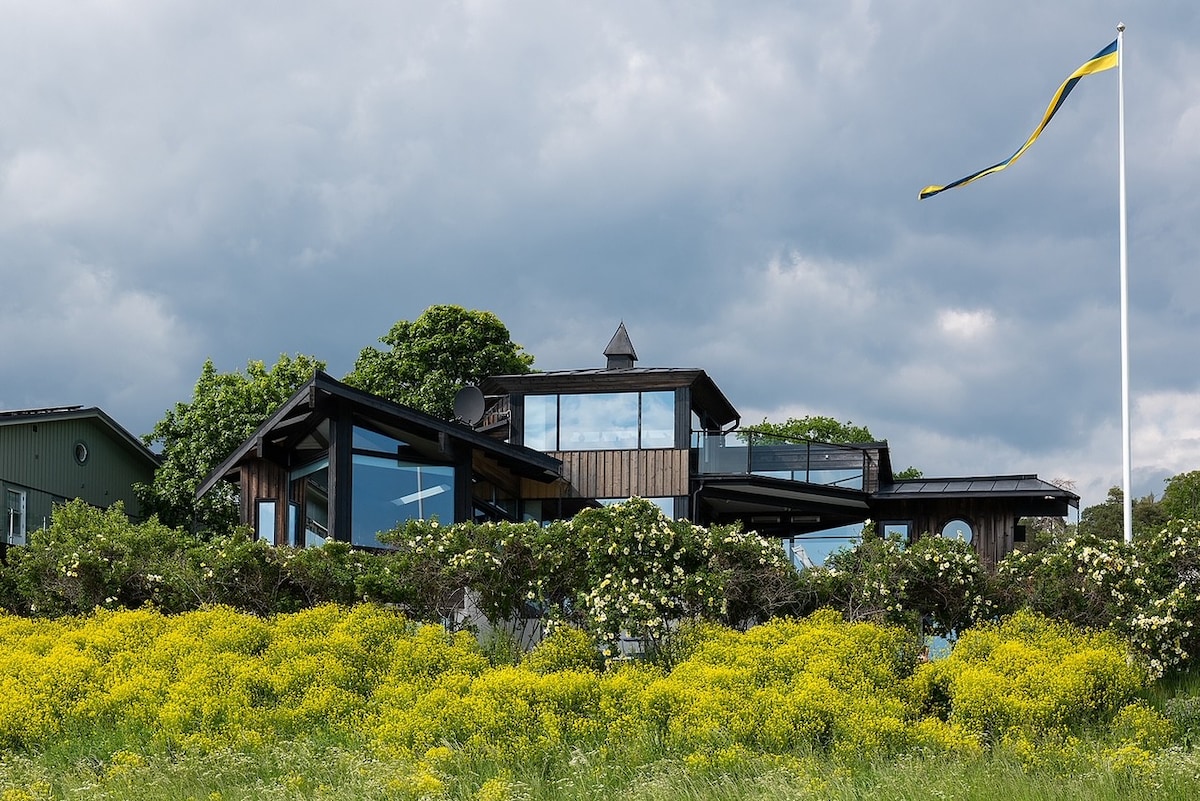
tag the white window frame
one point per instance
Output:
(14, 525)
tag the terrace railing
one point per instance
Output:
(752, 453)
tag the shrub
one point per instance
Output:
(566, 648)
(1028, 679)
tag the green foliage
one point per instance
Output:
(815, 428)
(935, 586)
(1107, 520)
(1181, 498)
(1086, 580)
(1184, 714)
(91, 557)
(429, 359)
(616, 571)
(195, 437)
(1149, 592)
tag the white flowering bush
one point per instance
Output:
(620, 571)
(1163, 626)
(1148, 592)
(1083, 579)
(935, 585)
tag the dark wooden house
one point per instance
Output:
(671, 435)
(338, 463)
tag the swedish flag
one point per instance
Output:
(1106, 59)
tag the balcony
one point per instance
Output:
(750, 453)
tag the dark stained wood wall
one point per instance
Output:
(993, 522)
(618, 474)
(264, 480)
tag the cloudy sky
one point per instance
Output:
(736, 181)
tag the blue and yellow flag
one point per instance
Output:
(1106, 59)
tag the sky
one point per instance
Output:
(736, 182)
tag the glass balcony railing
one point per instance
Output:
(750, 453)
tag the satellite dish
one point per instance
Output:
(468, 405)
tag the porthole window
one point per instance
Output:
(958, 529)
(81, 452)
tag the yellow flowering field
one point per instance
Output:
(142, 688)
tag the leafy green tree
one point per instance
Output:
(814, 427)
(1181, 498)
(818, 428)
(429, 359)
(195, 437)
(1107, 520)
(908, 472)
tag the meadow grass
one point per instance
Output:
(329, 770)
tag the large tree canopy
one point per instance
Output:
(1107, 520)
(815, 428)
(429, 359)
(1181, 498)
(195, 437)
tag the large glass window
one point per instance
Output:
(14, 516)
(598, 422)
(812, 549)
(367, 440)
(541, 422)
(601, 421)
(658, 420)
(388, 492)
(310, 497)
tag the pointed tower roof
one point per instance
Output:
(620, 352)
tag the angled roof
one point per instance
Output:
(311, 402)
(1018, 486)
(706, 394)
(53, 413)
(620, 344)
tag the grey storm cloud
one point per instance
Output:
(736, 182)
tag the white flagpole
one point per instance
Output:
(1125, 434)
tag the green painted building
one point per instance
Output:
(50, 456)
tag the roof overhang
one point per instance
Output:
(768, 504)
(298, 423)
(706, 395)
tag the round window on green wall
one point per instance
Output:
(81, 452)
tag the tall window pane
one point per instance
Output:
(266, 521)
(658, 419)
(310, 494)
(598, 422)
(541, 422)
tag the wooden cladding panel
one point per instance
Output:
(262, 480)
(619, 474)
(993, 523)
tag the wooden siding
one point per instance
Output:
(263, 480)
(39, 458)
(618, 474)
(992, 521)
